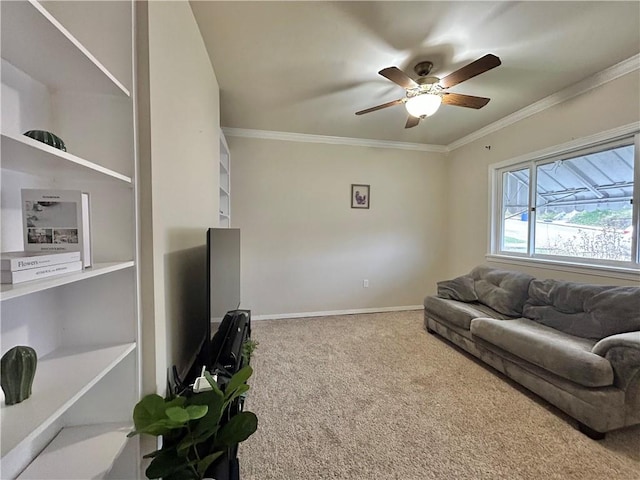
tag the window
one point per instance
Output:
(576, 206)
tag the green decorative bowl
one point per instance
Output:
(48, 138)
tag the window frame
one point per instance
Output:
(626, 135)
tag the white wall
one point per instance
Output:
(304, 249)
(179, 152)
(606, 107)
(98, 25)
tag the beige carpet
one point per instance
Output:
(376, 397)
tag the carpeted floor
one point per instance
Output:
(374, 396)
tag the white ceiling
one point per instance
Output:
(307, 67)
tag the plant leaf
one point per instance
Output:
(185, 473)
(164, 464)
(148, 410)
(198, 434)
(238, 379)
(238, 391)
(237, 430)
(208, 424)
(161, 427)
(175, 402)
(149, 415)
(185, 444)
(212, 382)
(152, 454)
(207, 461)
(202, 435)
(197, 411)
(177, 414)
(207, 398)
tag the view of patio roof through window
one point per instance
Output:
(581, 206)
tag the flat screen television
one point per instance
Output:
(222, 276)
(223, 273)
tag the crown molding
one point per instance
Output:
(308, 138)
(626, 66)
(610, 135)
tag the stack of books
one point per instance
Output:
(18, 267)
(56, 221)
(56, 236)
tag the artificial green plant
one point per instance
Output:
(193, 428)
(248, 347)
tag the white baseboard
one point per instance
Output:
(337, 312)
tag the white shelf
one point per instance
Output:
(87, 331)
(224, 183)
(62, 377)
(8, 291)
(24, 154)
(224, 148)
(36, 43)
(80, 453)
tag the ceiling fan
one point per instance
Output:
(424, 95)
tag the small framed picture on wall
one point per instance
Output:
(360, 196)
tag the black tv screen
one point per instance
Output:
(223, 276)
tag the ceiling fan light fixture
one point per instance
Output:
(423, 105)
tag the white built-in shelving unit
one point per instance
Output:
(225, 183)
(67, 67)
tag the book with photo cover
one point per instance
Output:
(7, 276)
(16, 261)
(53, 222)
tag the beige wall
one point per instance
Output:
(305, 250)
(179, 154)
(606, 107)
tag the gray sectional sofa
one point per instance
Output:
(575, 345)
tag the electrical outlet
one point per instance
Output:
(365, 283)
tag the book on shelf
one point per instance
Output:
(87, 251)
(29, 274)
(15, 261)
(57, 221)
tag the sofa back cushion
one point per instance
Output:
(587, 311)
(503, 290)
(460, 288)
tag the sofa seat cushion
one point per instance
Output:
(565, 355)
(458, 313)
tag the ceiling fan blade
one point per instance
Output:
(412, 121)
(398, 76)
(380, 107)
(460, 100)
(481, 65)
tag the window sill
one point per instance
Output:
(620, 273)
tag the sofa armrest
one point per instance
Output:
(623, 352)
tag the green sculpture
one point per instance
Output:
(48, 138)
(17, 369)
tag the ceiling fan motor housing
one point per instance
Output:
(423, 69)
(428, 85)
